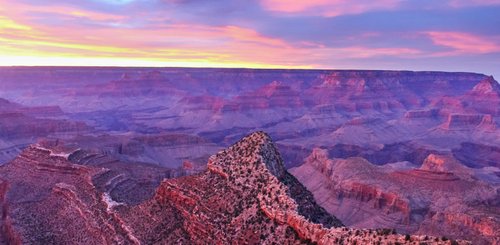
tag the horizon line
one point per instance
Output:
(243, 68)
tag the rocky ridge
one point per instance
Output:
(244, 196)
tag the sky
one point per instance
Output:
(446, 35)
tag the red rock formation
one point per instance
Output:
(484, 97)
(273, 95)
(367, 196)
(412, 114)
(211, 103)
(18, 125)
(53, 201)
(7, 233)
(487, 87)
(248, 173)
(444, 163)
(245, 196)
(467, 122)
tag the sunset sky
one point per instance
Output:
(449, 35)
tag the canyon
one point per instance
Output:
(244, 196)
(417, 152)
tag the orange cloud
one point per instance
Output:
(328, 8)
(463, 42)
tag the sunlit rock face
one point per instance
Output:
(244, 196)
(418, 127)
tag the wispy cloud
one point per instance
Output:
(328, 8)
(332, 8)
(466, 3)
(463, 43)
(8, 24)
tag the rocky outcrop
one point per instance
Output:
(487, 87)
(273, 95)
(167, 150)
(444, 163)
(125, 182)
(7, 233)
(484, 97)
(246, 196)
(56, 193)
(380, 155)
(52, 201)
(21, 126)
(17, 125)
(426, 114)
(366, 196)
(468, 122)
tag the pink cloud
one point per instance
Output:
(249, 35)
(327, 8)
(464, 43)
(160, 40)
(366, 52)
(360, 52)
(182, 42)
(194, 43)
(330, 8)
(465, 3)
(22, 36)
(24, 10)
